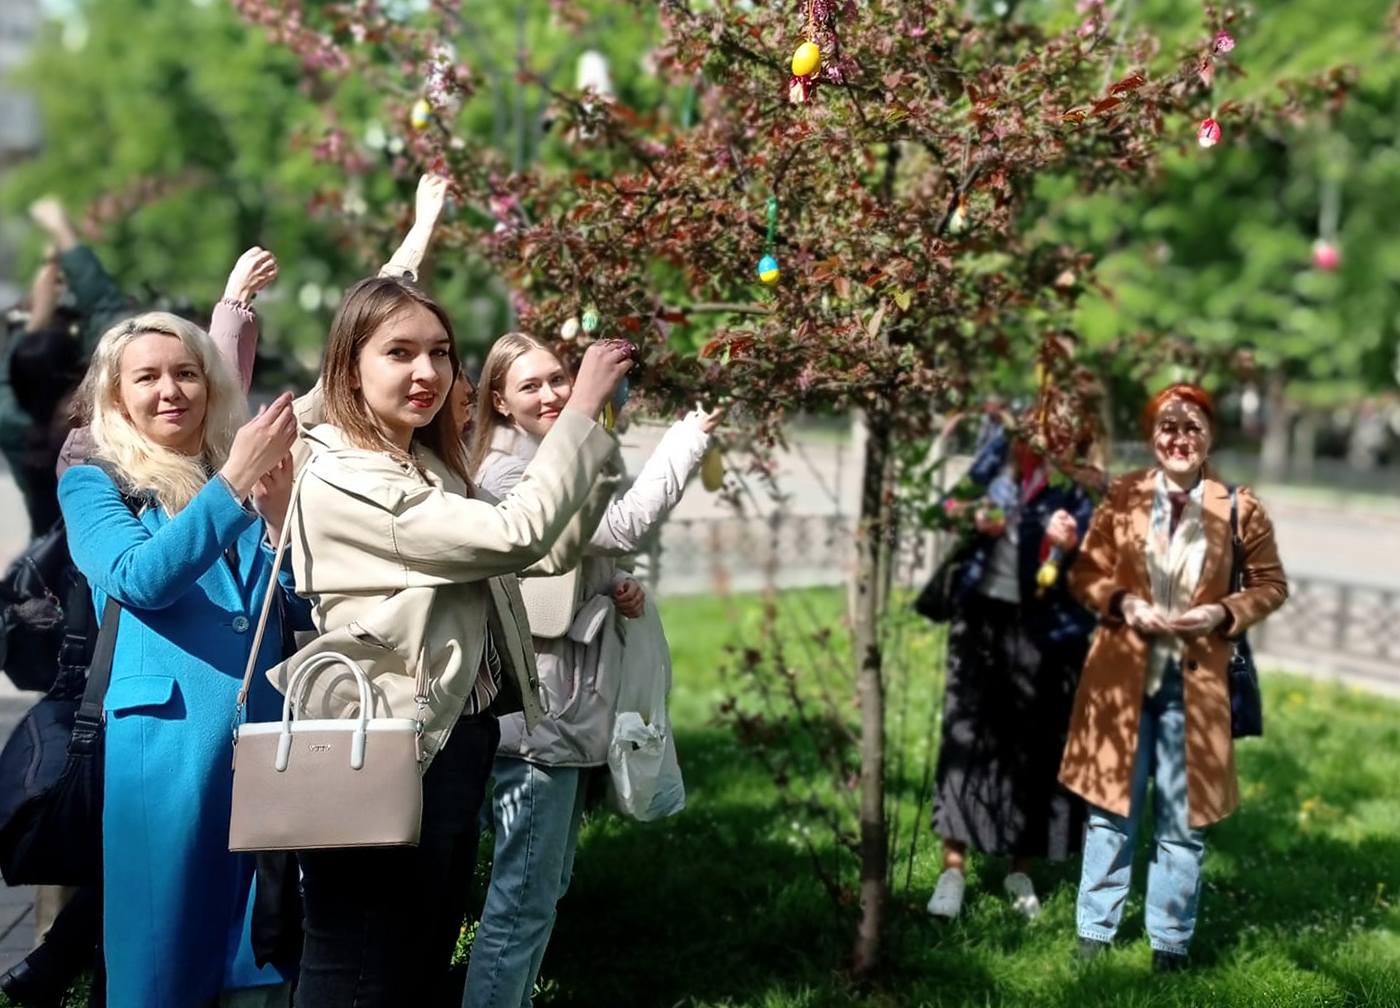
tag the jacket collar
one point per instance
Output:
(511, 440)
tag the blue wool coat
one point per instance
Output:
(177, 904)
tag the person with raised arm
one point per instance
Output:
(389, 537)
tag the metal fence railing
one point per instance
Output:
(1336, 625)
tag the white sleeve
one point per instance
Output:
(657, 489)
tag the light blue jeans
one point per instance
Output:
(1174, 876)
(537, 811)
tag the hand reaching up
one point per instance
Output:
(428, 203)
(604, 364)
(254, 270)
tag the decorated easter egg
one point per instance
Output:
(806, 60)
(420, 114)
(590, 320)
(568, 332)
(768, 270)
(712, 470)
(621, 394)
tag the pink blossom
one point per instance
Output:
(1224, 42)
(1088, 28)
(1209, 133)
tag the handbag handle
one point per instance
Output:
(420, 681)
(298, 684)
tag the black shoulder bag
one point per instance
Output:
(51, 766)
(1246, 704)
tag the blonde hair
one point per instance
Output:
(504, 352)
(172, 477)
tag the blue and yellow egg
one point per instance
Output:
(768, 270)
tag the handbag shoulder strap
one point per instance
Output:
(1236, 544)
(273, 592)
(87, 722)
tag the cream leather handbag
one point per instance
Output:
(303, 784)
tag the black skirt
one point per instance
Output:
(1005, 716)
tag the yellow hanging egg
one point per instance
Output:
(806, 60)
(712, 470)
(1048, 574)
(419, 115)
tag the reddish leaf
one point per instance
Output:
(1074, 115)
(1107, 105)
(1128, 84)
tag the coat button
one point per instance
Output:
(240, 624)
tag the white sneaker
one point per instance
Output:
(1022, 893)
(947, 897)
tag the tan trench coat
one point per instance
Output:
(1103, 733)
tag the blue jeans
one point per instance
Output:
(537, 811)
(1174, 876)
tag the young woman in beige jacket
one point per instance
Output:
(390, 543)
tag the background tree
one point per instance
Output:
(903, 173)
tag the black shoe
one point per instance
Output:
(1089, 949)
(1167, 962)
(29, 988)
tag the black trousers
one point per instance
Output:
(382, 923)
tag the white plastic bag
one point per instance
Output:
(644, 778)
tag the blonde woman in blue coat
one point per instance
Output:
(189, 568)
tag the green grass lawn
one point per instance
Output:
(719, 906)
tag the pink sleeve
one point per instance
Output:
(234, 330)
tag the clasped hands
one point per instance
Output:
(1146, 618)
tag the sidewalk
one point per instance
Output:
(17, 904)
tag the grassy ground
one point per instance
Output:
(720, 905)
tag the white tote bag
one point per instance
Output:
(644, 778)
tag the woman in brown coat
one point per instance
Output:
(1153, 700)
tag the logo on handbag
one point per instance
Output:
(320, 747)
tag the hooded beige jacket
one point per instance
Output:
(401, 561)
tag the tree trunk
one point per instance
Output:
(1273, 451)
(872, 549)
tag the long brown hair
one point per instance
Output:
(504, 352)
(365, 308)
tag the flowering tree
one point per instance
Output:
(832, 207)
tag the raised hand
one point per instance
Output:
(48, 213)
(604, 364)
(710, 419)
(1062, 531)
(259, 445)
(254, 270)
(428, 203)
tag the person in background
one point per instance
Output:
(166, 422)
(542, 774)
(1015, 648)
(1155, 567)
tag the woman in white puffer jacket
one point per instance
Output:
(542, 775)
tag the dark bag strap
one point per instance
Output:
(1236, 544)
(87, 722)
